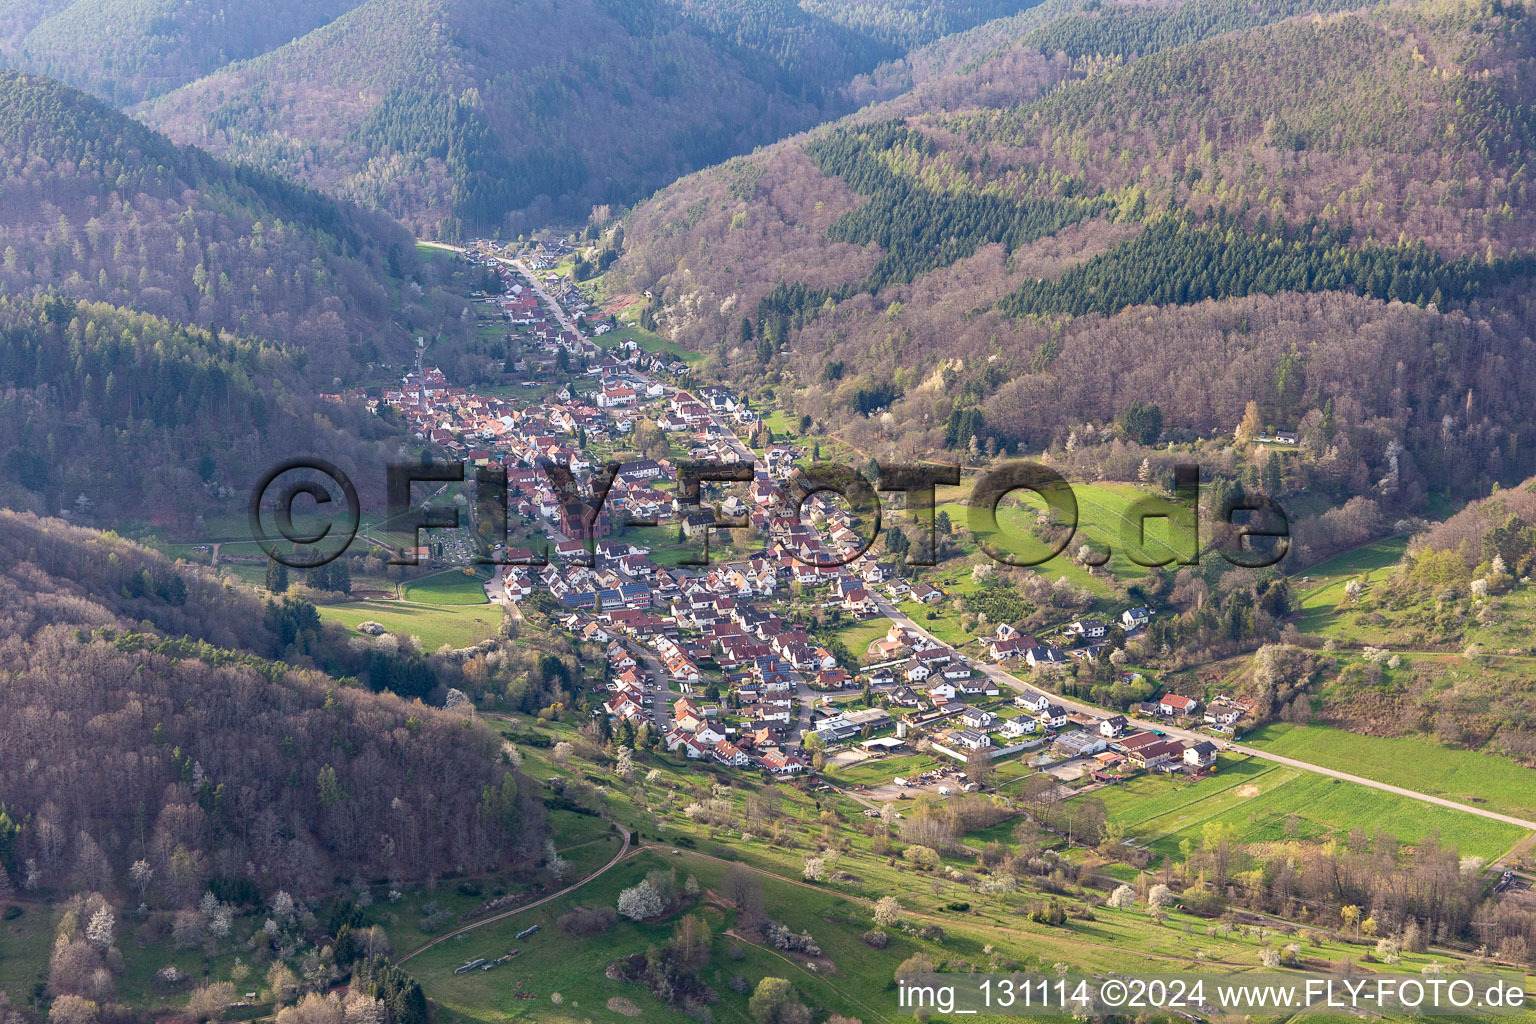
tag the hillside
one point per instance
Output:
(127, 417)
(130, 50)
(145, 691)
(1287, 204)
(98, 207)
(451, 114)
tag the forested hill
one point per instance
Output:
(130, 50)
(216, 766)
(97, 206)
(1195, 206)
(451, 113)
(125, 416)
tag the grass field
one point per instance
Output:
(648, 341)
(446, 588)
(879, 770)
(455, 625)
(25, 943)
(1258, 802)
(1412, 762)
(432, 252)
(1320, 598)
(1105, 511)
(859, 635)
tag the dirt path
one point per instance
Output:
(623, 851)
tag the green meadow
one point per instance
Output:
(458, 625)
(1413, 762)
(1257, 802)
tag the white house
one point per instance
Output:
(1013, 727)
(971, 739)
(977, 718)
(1049, 657)
(942, 693)
(1032, 701)
(1201, 755)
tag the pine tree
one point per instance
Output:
(341, 577)
(277, 576)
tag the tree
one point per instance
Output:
(1251, 425)
(775, 1002)
(641, 901)
(281, 981)
(1160, 896)
(691, 941)
(921, 857)
(1141, 423)
(1123, 898)
(328, 787)
(558, 866)
(283, 906)
(209, 1002)
(888, 912)
(98, 931)
(917, 963)
(625, 769)
(815, 869)
(141, 874)
(979, 767)
(742, 887)
(69, 1009)
(277, 576)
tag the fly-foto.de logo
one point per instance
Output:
(1253, 530)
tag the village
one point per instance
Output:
(699, 609)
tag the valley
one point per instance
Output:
(668, 685)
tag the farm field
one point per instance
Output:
(1255, 802)
(1411, 762)
(432, 252)
(25, 943)
(434, 625)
